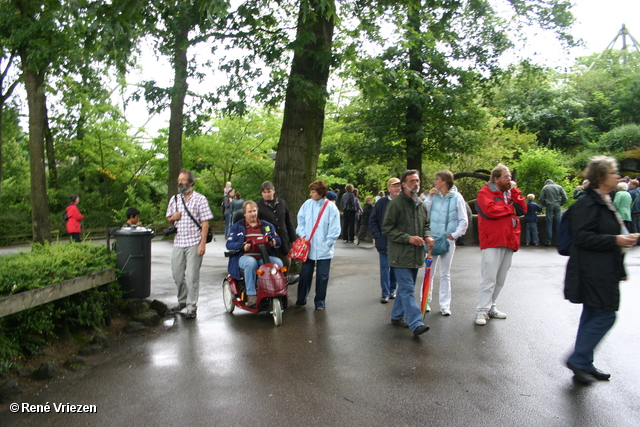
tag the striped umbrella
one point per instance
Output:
(426, 284)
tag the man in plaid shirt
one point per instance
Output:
(190, 243)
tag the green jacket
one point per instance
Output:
(405, 217)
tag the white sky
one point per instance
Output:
(597, 23)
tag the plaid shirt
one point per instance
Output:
(189, 233)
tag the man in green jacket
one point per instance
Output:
(406, 225)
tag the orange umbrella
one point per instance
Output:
(426, 284)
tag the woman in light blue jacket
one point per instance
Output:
(448, 215)
(322, 242)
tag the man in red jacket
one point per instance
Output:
(498, 205)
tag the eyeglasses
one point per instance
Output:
(505, 176)
(437, 178)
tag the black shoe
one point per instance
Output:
(580, 375)
(190, 315)
(599, 375)
(420, 330)
(384, 300)
(400, 322)
(392, 295)
(293, 279)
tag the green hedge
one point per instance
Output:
(25, 333)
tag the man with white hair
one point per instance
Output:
(552, 198)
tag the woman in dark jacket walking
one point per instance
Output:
(595, 266)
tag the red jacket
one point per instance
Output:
(498, 224)
(73, 223)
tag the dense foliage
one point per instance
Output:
(25, 332)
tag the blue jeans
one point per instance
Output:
(553, 220)
(250, 265)
(594, 324)
(322, 281)
(405, 304)
(532, 232)
(228, 219)
(387, 276)
(635, 218)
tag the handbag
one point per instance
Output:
(300, 248)
(209, 232)
(441, 244)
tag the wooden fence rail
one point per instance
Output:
(35, 297)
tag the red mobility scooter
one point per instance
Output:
(271, 286)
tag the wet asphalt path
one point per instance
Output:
(348, 366)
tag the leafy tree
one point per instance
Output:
(536, 166)
(423, 86)
(609, 90)
(236, 149)
(5, 94)
(533, 99)
(619, 139)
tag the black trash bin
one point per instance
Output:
(133, 248)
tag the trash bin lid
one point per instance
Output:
(132, 231)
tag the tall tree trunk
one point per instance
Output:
(414, 133)
(303, 122)
(34, 86)
(178, 94)
(51, 157)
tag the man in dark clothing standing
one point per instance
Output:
(387, 278)
(552, 198)
(274, 210)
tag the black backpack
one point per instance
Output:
(350, 206)
(564, 238)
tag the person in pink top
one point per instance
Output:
(73, 218)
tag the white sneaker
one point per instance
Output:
(481, 319)
(495, 314)
(445, 312)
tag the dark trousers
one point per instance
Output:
(594, 324)
(322, 281)
(348, 228)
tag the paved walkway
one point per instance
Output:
(348, 366)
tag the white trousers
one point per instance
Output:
(495, 263)
(443, 262)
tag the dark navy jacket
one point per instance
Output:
(236, 239)
(375, 224)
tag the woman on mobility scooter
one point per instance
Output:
(245, 239)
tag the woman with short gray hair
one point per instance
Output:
(596, 264)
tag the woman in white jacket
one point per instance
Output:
(322, 242)
(448, 217)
